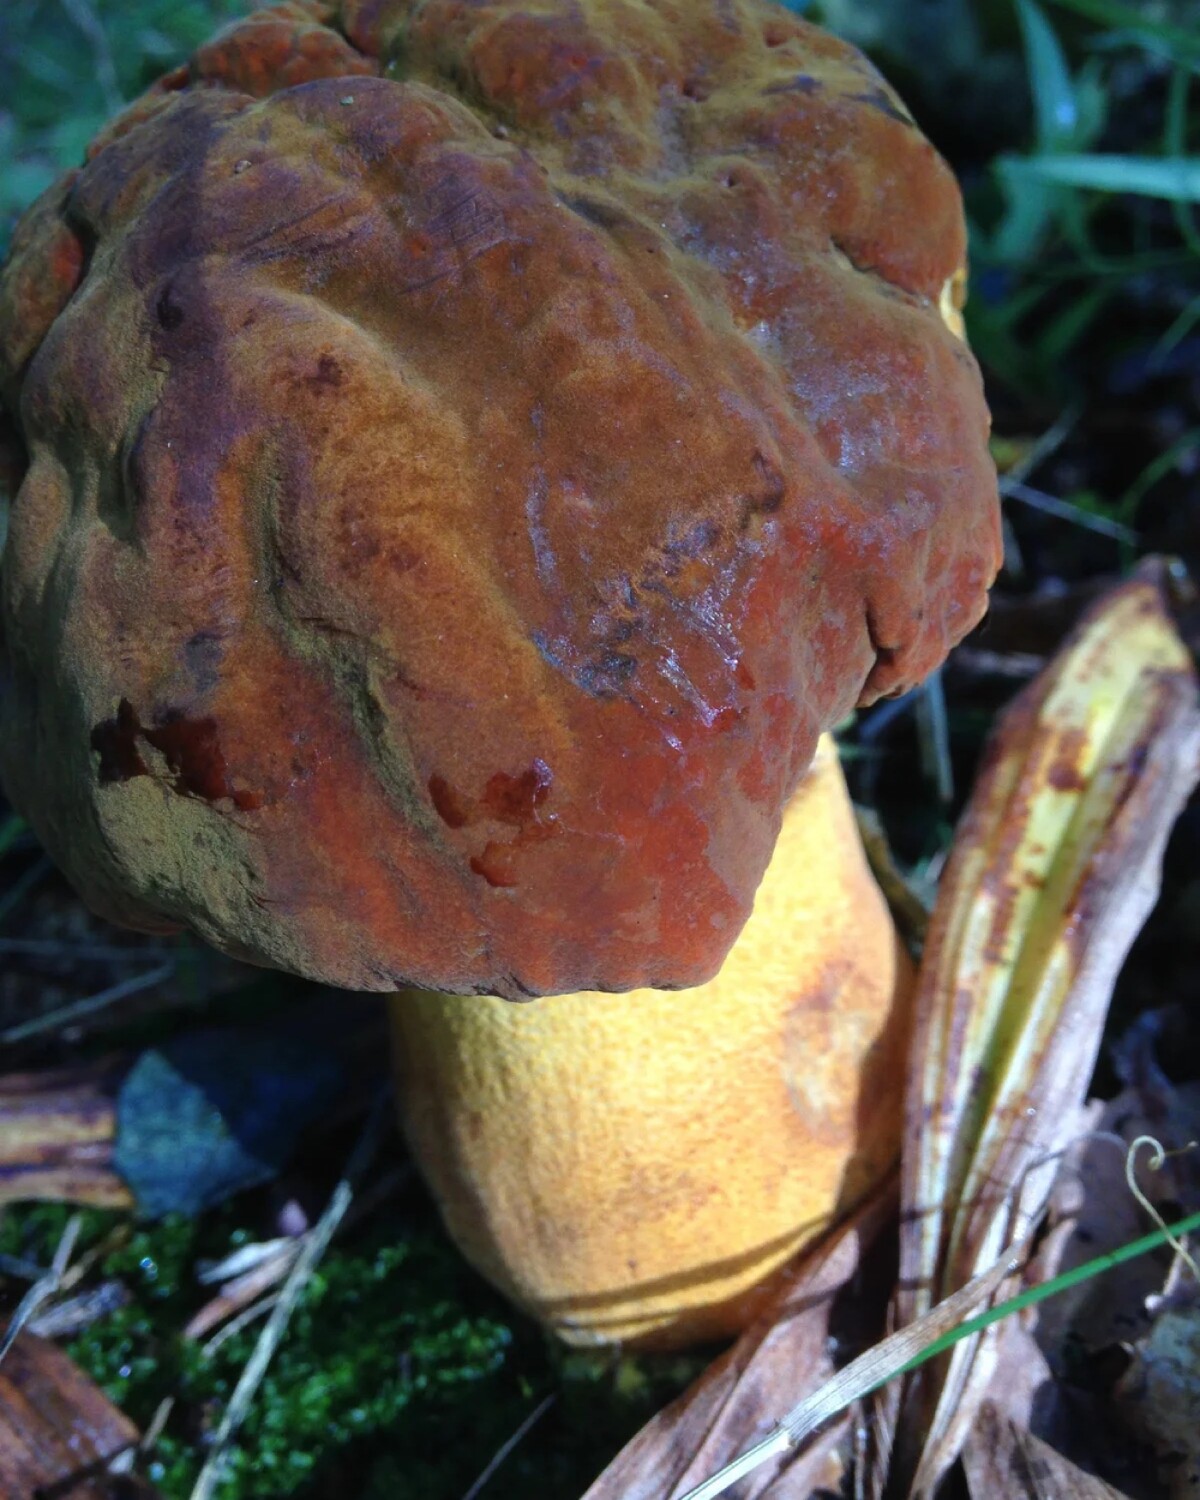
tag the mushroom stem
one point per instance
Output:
(632, 1168)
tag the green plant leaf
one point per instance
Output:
(1116, 14)
(1176, 179)
(1056, 114)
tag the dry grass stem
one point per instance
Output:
(506, 1447)
(863, 1375)
(45, 1288)
(79, 1010)
(293, 1288)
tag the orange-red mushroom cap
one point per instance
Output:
(470, 451)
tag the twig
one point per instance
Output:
(124, 1462)
(42, 1290)
(933, 732)
(236, 1324)
(256, 1367)
(246, 1288)
(267, 1264)
(92, 952)
(244, 1259)
(1016, 489)
(68, 1014)
(505, 1448)
(1049, 443)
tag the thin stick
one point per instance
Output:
(933, 729)
(1017, 489)
(505, 1448)
(76, 1011)
(276, 1326)
(124, 1462)
(1047, 444)
(98, 952)
(235, 1324)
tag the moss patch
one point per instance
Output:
(399, 1377)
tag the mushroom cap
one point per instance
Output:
(470, 451)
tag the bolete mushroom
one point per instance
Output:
(469, 452)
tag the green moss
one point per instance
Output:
(399, 1376)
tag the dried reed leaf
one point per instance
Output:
(1054, 868)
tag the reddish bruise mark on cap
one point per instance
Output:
(516, 799)
(453, 809)
(512, 800)
(189, 747)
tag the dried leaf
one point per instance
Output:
(1004, 1462)
(1159, 1396)
(58, 1433)
(57, 1129)
(741, 1396)
(1026, 1432)
(63, 1320)
(1054, 868)
(214, 1111)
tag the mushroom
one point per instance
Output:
(468, 455)
(631, 1168)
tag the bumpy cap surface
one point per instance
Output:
(470, 449)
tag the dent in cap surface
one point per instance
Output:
(469, 452)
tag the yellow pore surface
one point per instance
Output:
(632, 1167)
